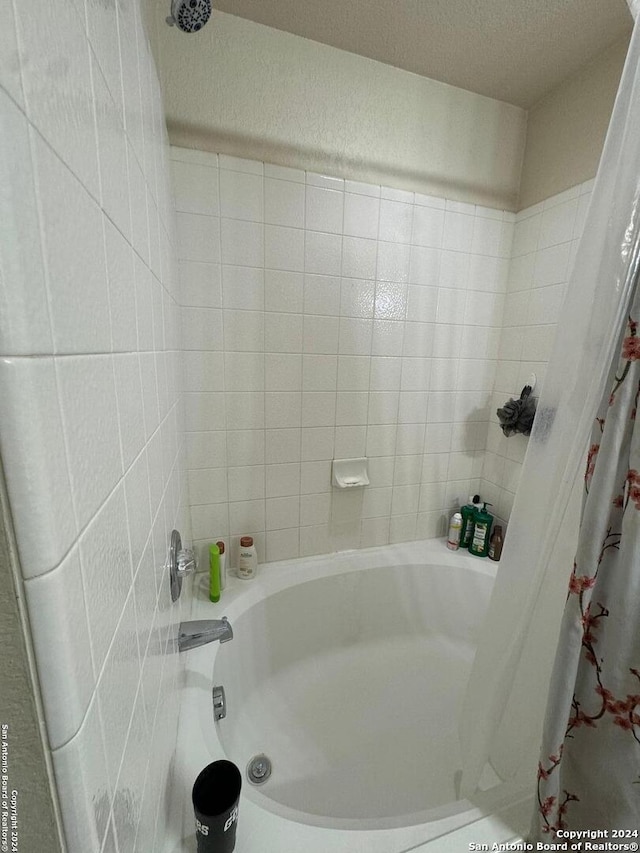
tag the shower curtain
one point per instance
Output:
(504, 708)
(590, 758)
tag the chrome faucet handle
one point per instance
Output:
(186, 562)
(182, 562)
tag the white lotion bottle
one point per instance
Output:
(455, 528)
(223, 564)
(247, 559)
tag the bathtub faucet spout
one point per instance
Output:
(203, 631)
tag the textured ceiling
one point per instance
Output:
(513, 50)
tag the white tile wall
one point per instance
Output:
(90, 435)
(544, 245)
(322, 318)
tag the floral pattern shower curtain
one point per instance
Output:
(589, 770)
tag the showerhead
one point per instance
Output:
(189, 15)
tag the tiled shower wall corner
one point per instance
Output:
(326, 318)
(90, 379)
(545, 241)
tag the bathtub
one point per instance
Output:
(348, 672)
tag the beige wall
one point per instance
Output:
(245, 89)
(249, 90)
(566, 130)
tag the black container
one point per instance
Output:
(215, 797)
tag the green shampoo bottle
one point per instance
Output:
(468, 512)
(214, 573)
(481, 532)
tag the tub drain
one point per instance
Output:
(258, 769)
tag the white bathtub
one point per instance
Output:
(347, 671)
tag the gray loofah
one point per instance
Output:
(517, 415)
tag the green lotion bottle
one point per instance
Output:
(481, 532)
(214, 573)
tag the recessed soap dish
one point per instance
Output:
(349, 473)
